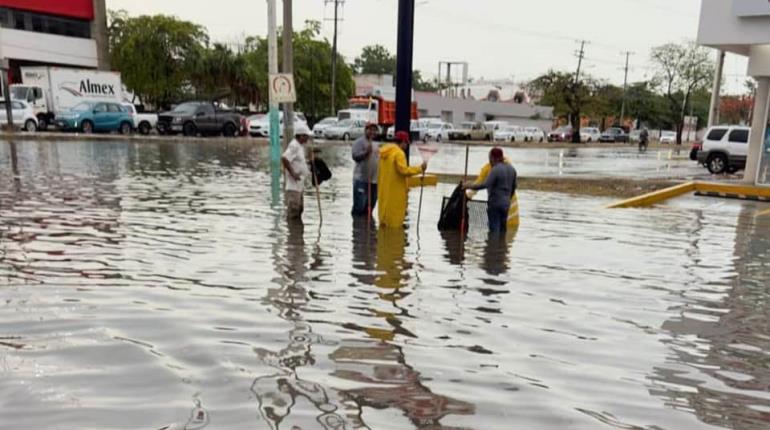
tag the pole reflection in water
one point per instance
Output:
(278, 393)
(719, 341)
(378, 366)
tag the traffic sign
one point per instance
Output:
(282, 88)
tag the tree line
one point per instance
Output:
(165, 60)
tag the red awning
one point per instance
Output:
(81, 9)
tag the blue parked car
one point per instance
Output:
(88, 117)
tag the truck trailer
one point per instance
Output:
(50, 90)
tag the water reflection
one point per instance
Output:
(281, 392)
(720, 337)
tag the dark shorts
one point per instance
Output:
(362, 204)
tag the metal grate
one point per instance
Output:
(477, 213)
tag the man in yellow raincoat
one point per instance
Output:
(392, 181)
(513, 211)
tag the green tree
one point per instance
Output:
(375, 60)
(313, 71)
(155, 54)
(568, 98)
(421, 84)
(681, 70)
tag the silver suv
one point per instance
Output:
(725, 148)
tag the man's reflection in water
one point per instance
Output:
(378, 367)
(495, 260)
(281, 392)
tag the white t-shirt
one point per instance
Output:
(295, 153)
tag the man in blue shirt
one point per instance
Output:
(500, 186)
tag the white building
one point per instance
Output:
(743, 27)
(69, 33)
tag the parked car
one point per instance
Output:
(511, 133)
(438, 131)
(535, 134)
(561, 134)
(590, 134)
(320, 126)
(259, 125)
(347, 129)
(144, 123)
(470, 130)
(88, 117)
(667, 137)
(24, 117)
(614, 135)
(205, 118)
(415, 127)
(495, 125)
(725, 149)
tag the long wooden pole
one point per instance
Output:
(465, 197)
(317, 186)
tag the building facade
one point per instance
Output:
(69, 33)
(742, 27)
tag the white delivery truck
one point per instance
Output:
(50, 90)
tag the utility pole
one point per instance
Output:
(334, 55)
(575, 119)
(716, 89)
(625, 89)
(404, 57)
(4, 67)
(272, 61)
(288, 68)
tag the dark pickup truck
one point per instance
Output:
(205, 118)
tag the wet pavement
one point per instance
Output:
(144, 286)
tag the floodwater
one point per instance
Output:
(626, 162)
(157, 286)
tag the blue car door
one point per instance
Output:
(101, 117)
(115, 114)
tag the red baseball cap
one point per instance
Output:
(496, 153)
(402, 137)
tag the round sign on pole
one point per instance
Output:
(282, 88)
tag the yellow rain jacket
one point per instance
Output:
(513, 211)
(392, 185)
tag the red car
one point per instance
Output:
(561, 134)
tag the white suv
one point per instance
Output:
(725, 149)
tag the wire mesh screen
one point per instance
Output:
(477, 213)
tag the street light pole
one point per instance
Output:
(7, 95)
(404, 66)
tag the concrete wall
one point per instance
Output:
(721, 27)
(458, 110)
(48, 48)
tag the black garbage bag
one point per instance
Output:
(320, 171)
(452, 216)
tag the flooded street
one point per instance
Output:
(152, 285)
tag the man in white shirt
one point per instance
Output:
(295, 163)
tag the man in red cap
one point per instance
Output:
(501, 187)
(392, 181)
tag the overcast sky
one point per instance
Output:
(517, 39)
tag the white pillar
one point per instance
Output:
(716, 89)
(758, 124)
